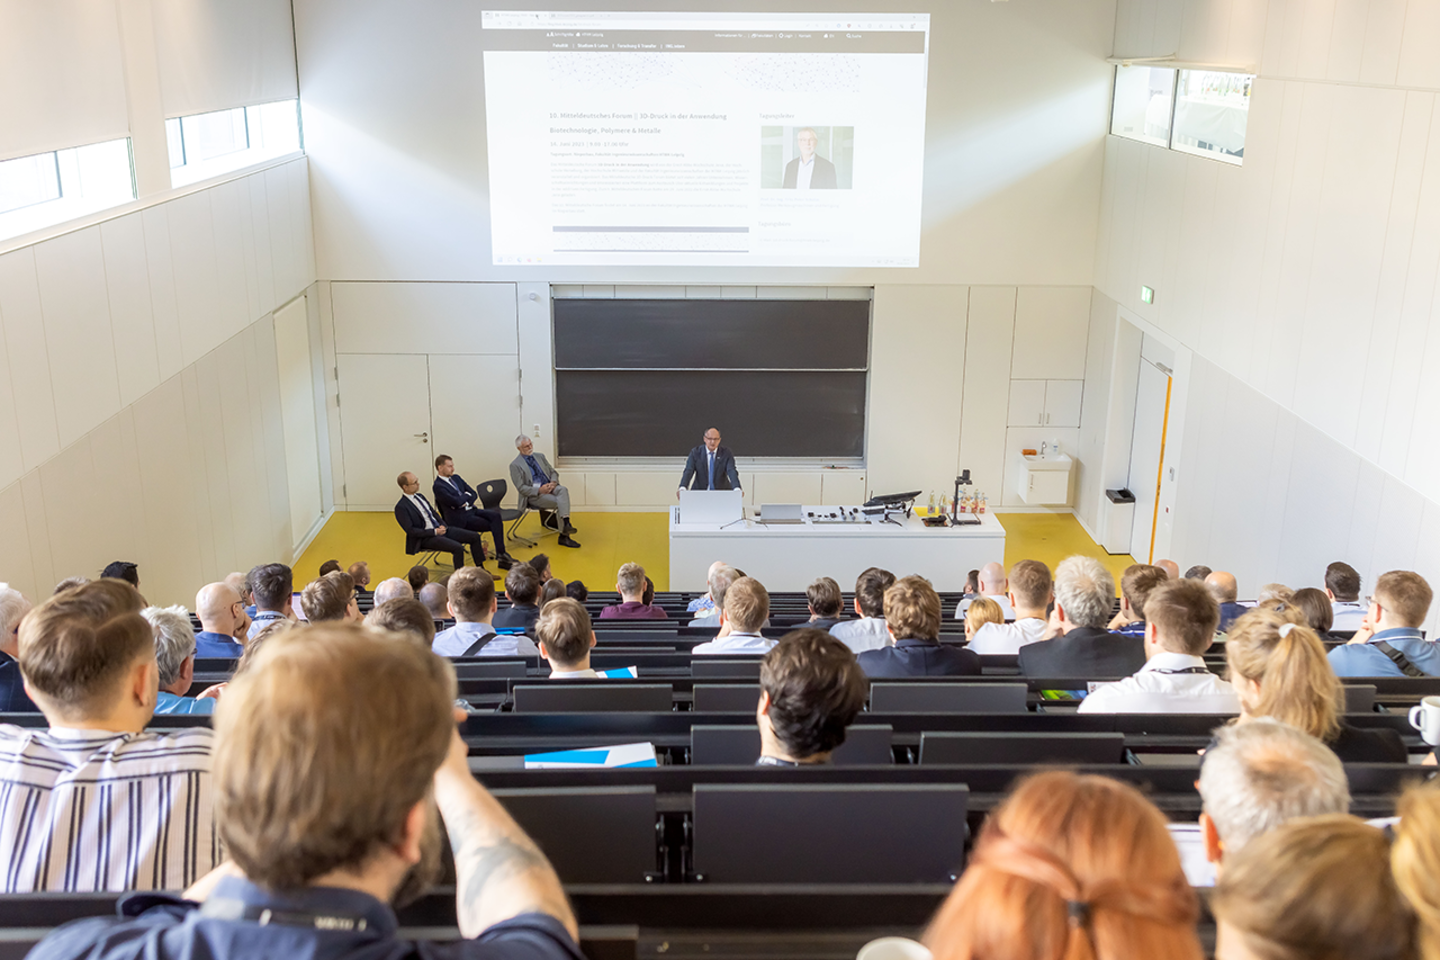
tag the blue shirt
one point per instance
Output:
(163, 927)
(1363, 660)
(216, 646)
(13, 698)
(168, 703)
(1136, 629)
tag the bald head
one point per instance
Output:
(360, 572)
(992, 580)
(435, 597)
(393, 589)
(1171, 568)
(1222, 586)
(216, 605)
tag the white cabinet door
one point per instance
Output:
(1048, 487)
(1027, 403)
(384, 425)
(479, 434)
(1062, 402)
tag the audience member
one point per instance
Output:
(541, 563)
(1180, 626)
(175, 662)
(717, 581)
(995, 585)
(1278, 669)
(75, 793)
(825, 603)
(981, 611)
(552, 589)
(1197, 572)
(811, 689)
(522, 589)
(1260, 775)
(13, 607)
(69, 583)
(630, 584)
(122, 570)
(972, 584)
(325, 830)
(435, 599)
(417, 576)
(473, 605)
(272, 585)
(912, 615)
(240, 585)
(1030, 593)
(1314, 889)
(746, 608)
(1415, 863)
(360, 573)
(576, 590)
(393, 588)
(222, 618)
(1316, 609)
(329, 566)
(409, 618)
(703, 606)
(1084, 596)
(1389, 642)
(252, 646)
(332, 597)
(1274, 592)
(1171, 568)
(1074, 866)
(1135, 585)
(648, 597)
(1342, 587)
(869, 631)
(1224, 589)
(564, 636)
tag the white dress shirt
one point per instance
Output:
(432, 521)
(803, 174)
(1006, 638)
(1004, 601)
(867, 633)
(1348, 614)
(454, 641)
(736, 643)
(1166, 684)
(586, 674)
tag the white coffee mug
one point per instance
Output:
(1426, 719)
(893, 948)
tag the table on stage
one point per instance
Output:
(789, 556)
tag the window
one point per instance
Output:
(209, 144)
(48, 188)
(1202, 112)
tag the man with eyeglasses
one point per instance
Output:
(809, 171)
(710, 466)
(1389, 642)
(222, 618)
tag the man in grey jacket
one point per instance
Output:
(540, 488)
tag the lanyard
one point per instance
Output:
(1183, 670)
(225, 908)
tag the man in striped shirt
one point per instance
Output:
(95, 803)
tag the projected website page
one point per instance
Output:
(701, 139)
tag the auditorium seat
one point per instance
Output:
(590, 834)
(715, 668)
(735, 745)
(724, 697)
(943, 697)
(1022, 748)
(605, 696)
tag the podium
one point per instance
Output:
(711, 506)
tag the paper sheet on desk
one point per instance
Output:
(1191, 844)
(621, 755)
(630, 672)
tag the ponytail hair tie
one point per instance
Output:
(1285, 629)
(1079, 912)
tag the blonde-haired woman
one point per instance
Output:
(1415, 862)
(982, 610)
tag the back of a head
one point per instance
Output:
(1198, 572)
(1264, 773)
(983, 610)
(13, 607)
(1316, 889)
(553, 589)
(1185, 615)
(359, 571)
(1138, 580)
(1030, 582)
(70, 583)
(122, 570)
(1405, 595)
(271, 584)
(816, 689)
(315, 775)
(417, 576)
(648, 597)
(328, 597)
(1316, 608)
(630, 581)
(329, 566)
(76, 647)
(1273, 591)
(434, 597)
(1415, 862)
(472, 593)
(393, 588)
(912, 609)
(1085, 590)
(522, 584)
(824, 597)
(747, 605)
(992, 578)
(174, 640)
(1343, 580)
(972, 582)
(576, 590)
(870, 589)
(1297, 684)
(410, 618)
(236, 581)
(1063, 838)
(719, 582)
(1222, 586)
(564, 628)
(541, 564)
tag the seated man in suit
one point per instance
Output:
(222, 619)
(1389, 642)
(869, 631)
(825, 603)
(424, 530)
(565, 637)
(13, 607)
(539, 486)
(1181, 617)
(744, 610)
(709, 466)
(912, 614)
(1224, 589)
(457, 500)
(1030, 593)
(811, 689)
(809, 171)
(1083, 648)
(1342, 586)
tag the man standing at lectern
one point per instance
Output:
(710, 466)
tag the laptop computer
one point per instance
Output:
(711, 506)
(781, 513)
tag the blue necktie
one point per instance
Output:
(712, 471)
(535, 470)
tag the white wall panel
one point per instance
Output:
(802, 488)
(232, 289)
(1051, 325)
(197, 280)
(163, 300)
(174, 506)
(12, 462)
(217, 54)
(1384, 35)
(1419, 67)
(132, 319)
(474, 318)
(482, 441)
(19, 572)
(30, 382)
(989, 339)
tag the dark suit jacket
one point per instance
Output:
(415, 526)
(12, 691)
(919, 658)
(517, 615)
(1229, 611)
(697, 466)
(1084, 653)
(823, 177)
(453, 504)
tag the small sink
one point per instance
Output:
(1061, 462)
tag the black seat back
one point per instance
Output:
(606, 696)
(1360, 697)
(589, 834)
(987, 748)
(725, 697)
(706, 668)
(498, 668)
(492, 493)
(866, 744)
(951, 697)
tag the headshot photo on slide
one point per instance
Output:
(807, 157)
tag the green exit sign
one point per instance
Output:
(1147, 294)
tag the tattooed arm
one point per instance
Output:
(500, 873)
